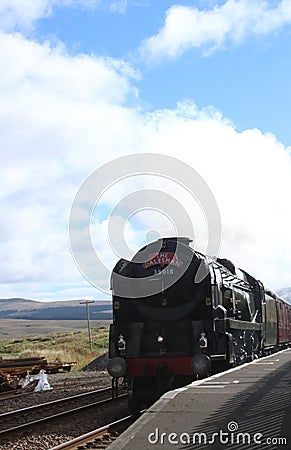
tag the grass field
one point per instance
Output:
(55, 340)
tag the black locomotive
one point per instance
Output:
(179, 315)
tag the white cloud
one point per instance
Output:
(248, 172)
(61, 117)
(188, 27)
(119, 6)
(250, 176)
(23, 14)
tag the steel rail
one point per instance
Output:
(60, 414)
(90, 437)
(53, 402)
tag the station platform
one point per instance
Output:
(247, 407)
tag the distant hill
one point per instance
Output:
(20, 308)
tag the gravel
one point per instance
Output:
(63, 385)
(56, 432)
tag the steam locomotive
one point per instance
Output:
(179, 315)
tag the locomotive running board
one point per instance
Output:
(242, 325)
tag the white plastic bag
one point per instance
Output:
(43, 384)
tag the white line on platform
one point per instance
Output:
(210, 386)
(264, 363)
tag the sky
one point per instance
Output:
(86, 82)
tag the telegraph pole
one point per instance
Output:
(86, 302)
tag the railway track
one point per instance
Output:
(25, 418)
(99, 438)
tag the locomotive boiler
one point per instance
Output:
(179, 315)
